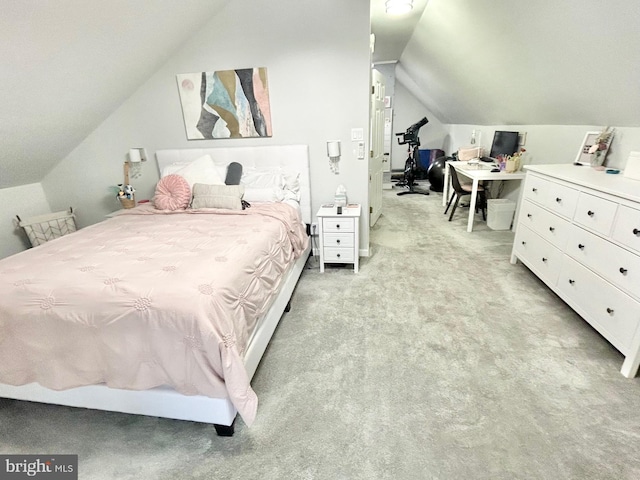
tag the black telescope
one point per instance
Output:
(411, 135)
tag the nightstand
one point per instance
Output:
(339, 235)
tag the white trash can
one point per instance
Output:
(500, 213)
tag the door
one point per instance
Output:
(376, 155)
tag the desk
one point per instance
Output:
(475, 172)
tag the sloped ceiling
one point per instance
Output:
(536, 62)
(66, 65)
(392, 32)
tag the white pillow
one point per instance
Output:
(273, 194)
(254, 178)
(292, 186)
(173, 168)
(201, 170)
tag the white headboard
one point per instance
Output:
(290, 158)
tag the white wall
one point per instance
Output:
(26, 201)
(318, 68)
(548, 144)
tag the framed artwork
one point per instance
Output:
(225, 103)
(594, 148)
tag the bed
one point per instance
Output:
(145, 314)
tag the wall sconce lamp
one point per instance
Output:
(398, 7)
(133, 164)
(132, 169)
(333, 152)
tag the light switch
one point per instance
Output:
(357, 134)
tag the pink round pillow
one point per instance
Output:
(172, 193)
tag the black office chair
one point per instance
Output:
(460, 190)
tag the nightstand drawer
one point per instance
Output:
(338, 239)
(338, 225)
(338, 254)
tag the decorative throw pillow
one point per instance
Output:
(172, 193)
(202, 170)
(217, 196)
(234, 174)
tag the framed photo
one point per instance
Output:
(585, 157)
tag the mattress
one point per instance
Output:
(147, 299)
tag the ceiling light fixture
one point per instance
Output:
(398, 7)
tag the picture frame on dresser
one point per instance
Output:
(584, 157)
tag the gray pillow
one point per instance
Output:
(217, 196)
(234, 174)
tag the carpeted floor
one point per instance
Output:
(439, 360)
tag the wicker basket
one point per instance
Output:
(127, 203)
(43, 228)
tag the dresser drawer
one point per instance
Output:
(342, 239)
(549, 226)
(338, 254)
(536, 189)
(539, 255)
(626, 228)
(338, 225)
(613, 313)
(561, 200)
(614, 263)
(595, 213)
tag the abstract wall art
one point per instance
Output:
(225, 103)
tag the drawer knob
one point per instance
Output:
(528, 215)
(590, 213)
(544, 259)
(551, 229)
(338, 255)
(581, 246)
(623, 270)
(534, 189)
(338, 241)
(572, 281)
(524, 243)
(636, 232)
(610, 311)
(338, 226)
(558, 199)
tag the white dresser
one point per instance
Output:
(578, 230)
(339, 235)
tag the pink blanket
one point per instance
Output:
(147, 299)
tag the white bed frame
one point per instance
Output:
(164, 401)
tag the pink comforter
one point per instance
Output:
(147, 299)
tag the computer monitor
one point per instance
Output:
(504, 143)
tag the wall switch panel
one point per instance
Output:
(357, 134)
(360, 150)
